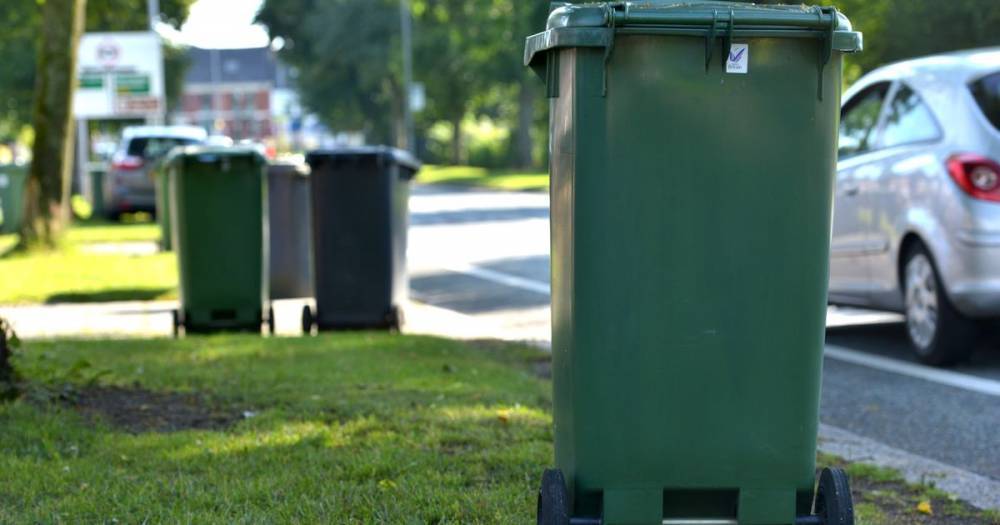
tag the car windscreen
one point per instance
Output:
(987, 93)
(154, 147)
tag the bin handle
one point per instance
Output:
(727, 39)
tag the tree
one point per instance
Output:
(22, 19)
(347, 56)
(47, 189)
(456, 47)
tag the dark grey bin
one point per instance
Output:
(291, 260)
(360, 214)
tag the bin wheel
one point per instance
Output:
(270, 320)
(833, 504)
(395, 319)
(307, 320)
(176, 319)
(553, 499)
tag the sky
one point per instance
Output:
(220, 23)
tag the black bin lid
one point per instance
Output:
(377, 153)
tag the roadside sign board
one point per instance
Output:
(119, 75)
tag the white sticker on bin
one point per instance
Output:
(739, 59)
(4, 181)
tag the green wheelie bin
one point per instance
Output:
(12, 181)
(693, 151)
(161, 185)
(219, 223)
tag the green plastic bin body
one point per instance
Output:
(97, 176)
(162, 188)
(218, 205)
(691, 213)
(13, 178)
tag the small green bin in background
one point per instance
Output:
(97, 173)
(12, 180)
(218, 209)
(161, 186)
(693, 150)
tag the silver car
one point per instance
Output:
(129, 186)
(916, 226)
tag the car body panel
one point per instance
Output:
(133, 189)
(893, 195)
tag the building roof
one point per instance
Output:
(255, 64)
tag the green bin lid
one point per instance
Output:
(595, 24)
(211, 154)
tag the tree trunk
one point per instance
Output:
(46, 196)
(456, 139)
(523, 147)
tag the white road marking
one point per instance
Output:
(935, 375)
(501, 278)
(943, 377)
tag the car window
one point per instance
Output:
(154, 147)
(858, 120)
(987, 94)
(908, 120)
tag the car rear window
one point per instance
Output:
(152, 147)
(987, 93)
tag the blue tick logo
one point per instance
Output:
(739, 59)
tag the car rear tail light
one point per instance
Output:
(976, 175)
(127, 163)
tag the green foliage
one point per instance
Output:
(346, 54)
(21, 20)
(348, 57)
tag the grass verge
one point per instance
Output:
(343, 428)
(74, 273)
(351, 428)
(472, 176)
(883, 497)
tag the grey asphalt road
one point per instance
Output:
(485, 255)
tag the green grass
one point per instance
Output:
(349, 428)
(472, 176)
(100, 231)
(70, 274)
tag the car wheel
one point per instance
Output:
(939, 334)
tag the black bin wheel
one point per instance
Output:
(176, 320)
(307, 320)
(270, 320)
(553, 499)
(834, 504)
(394, 319)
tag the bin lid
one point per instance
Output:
(289, 168)
(212, 153)
(394, 155)
(595, 24)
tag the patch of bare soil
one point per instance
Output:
(137, 410)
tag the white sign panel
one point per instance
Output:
(119, 75)
(739, 59)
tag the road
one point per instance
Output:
(485, 256)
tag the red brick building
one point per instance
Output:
(234, 92)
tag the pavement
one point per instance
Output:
(479, 268)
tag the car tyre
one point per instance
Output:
(940, 336)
